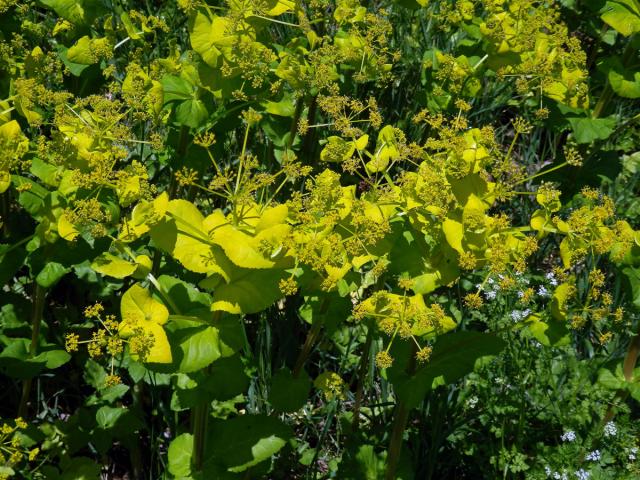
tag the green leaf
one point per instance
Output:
(284, 108)
(32, 199)
(208, 35)
(588, 130)
(177, 88)
(242, 442)
(625, 83)
(248, 291)
(76, 69)
(623, 16)
(549, 333)
(107, 417)
(113, 266)
(222, 381)
(79, 12)
(332, 310)
(608, 380)
(454, 355)
(198, 347)
(140, 310)
(289, 394)
(180, 451)
(633, 278)
(81, 52)
(192, 113)
(50, 274)
(79, 468)
(187, 298)
(184, 236)
(52, 358)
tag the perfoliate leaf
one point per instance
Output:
(622, 15)
(113, 266)
(140, 310)
(587, 130)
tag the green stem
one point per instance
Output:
(199, 417)
(311, 339)
(607, 93)
(135, 453)
(323, 436)
(629, 364)
(5, 213)
(362, 372)
(307, 142)
(395, 443)
(294, 121)
(36, 319)
(400, 418)
(199, 422)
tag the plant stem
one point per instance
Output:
(607, 93)
(135, 453)
(400, 418)
(323, 435)
(36, 318)
(311, 339)
(199, 417)
(629, 364)
(395, 443)
(5, 213)
(294, 121)
(362, 372)
(199, 422)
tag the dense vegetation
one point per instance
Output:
(319, 239)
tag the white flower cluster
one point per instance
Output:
(610, 429)
(543, 292)
(519, 315)
(582, 474)
(593, 456)
(491, 288)
(555, 475)
(633, 454)
(552, 279)
(568, 436)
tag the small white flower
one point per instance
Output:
(542, 291)
(516, 315)
(472, 402)
(582, 474)
(568, 436)
(520, 294)
(610, 429)
(547, 470)
(632, 454)
(552, 279)
(593, 456)
(491, 294)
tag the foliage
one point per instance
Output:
(325, 239)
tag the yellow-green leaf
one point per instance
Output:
(5, 181)
(66, 229)
(453, 232)
(140, 310)
(113, 266)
